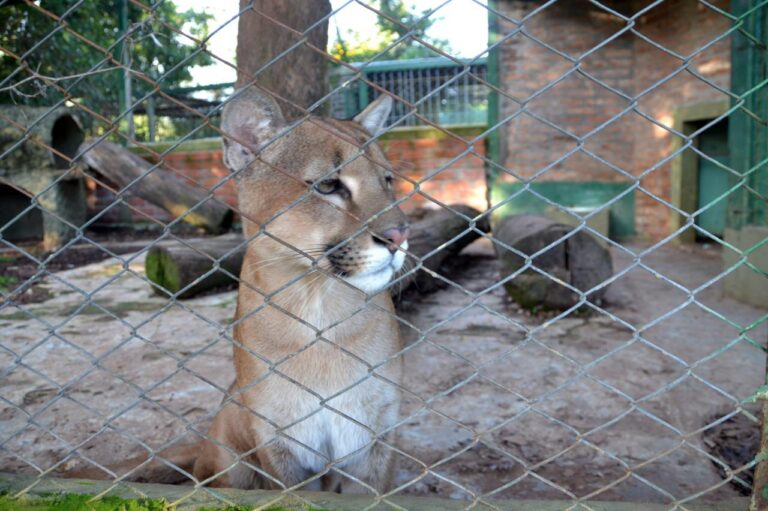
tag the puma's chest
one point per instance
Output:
(343, 428)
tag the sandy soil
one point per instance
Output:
(501, 404)
(579, 406)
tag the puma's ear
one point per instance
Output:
(375, 115)
(250, 119)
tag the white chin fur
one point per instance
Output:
(383, 267)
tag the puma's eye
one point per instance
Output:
(329, 186)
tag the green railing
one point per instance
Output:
(433, 90)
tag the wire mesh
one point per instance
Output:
(631, 391)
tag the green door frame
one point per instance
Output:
(684, 193)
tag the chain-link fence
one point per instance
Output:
(564, 302)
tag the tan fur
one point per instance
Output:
(315, 337)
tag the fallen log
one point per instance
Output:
(176, 266)
(432, 242)
(187, 267)
(158, 186)
(580, 261)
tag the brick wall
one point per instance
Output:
(417, 154)
(544, 91)
(435, 169)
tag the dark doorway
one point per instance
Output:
(28, 226)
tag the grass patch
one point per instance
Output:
(7, 281)
(77, 502)
(73, 502)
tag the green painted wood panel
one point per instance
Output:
(748, 133)
(713, 180)
(572, 195)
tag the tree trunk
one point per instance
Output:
(192, 266)
(579, 261)
(160, 186)
(265, 30)
(175, 265)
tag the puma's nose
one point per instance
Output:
(394, 238)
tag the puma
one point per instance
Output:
(316, 341)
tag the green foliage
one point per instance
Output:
(400, 21)
(77, 502)
(7, 282)
(396, 21)
(34, 42)
(74, 502)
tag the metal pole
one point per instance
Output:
(748, 147)
(126, 93)
(151, 118)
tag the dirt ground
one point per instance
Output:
(20, 272)
(501, 403)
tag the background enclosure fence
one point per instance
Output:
(447, 92)
(642, 387)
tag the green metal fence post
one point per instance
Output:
(748, 134)
(362, 93)
(492, 144)
(748, 146)
(125, 81)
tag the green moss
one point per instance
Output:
(161, 270)
(7, 282)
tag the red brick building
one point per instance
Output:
(593, 104)
(591, 99)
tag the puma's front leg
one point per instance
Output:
(376, 469)
(221, 455)
(283, 466)
(222, 466)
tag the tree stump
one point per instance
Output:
(189, 266)
(580, 261)
(437, 229)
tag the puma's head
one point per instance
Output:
(318, 187)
